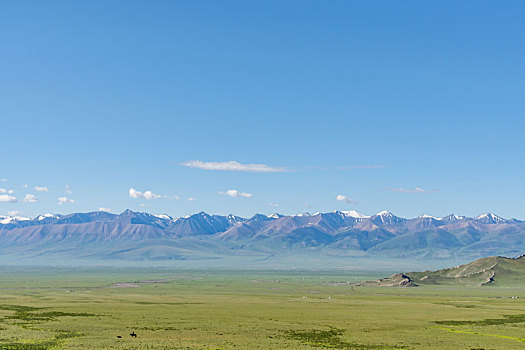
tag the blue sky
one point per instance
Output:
(414, 107)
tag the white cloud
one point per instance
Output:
(274, 205)
(4, 198)
(41, 189)
(191, 199)
(25, 186)
(13, 213)
(65, 200)
(68, 190)
(3, 180)
(133, 193)
(150, 195)
(104, 209)
(345, 199)
(143, 205)
(30, 198)
(408, 190)
(236, 194)
(233, 166)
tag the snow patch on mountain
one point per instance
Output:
(163, 216)
(6, 220)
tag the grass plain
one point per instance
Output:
(81, 308)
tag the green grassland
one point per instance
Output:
(50, 308)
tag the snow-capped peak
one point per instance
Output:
(491, 218)
(275, 216)
(453, 217)
(354, 214)
(45, 216)
(426, 216)
(233, 219)
(304, 214)
(163, 216)
(387, 217)
(486, 215)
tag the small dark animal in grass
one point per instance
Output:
(119, 336)
(133, 334)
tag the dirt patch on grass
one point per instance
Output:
(123, 285)
(136, 284)
(486, 322)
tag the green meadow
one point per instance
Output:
(66, 308)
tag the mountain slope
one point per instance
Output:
(491, 271)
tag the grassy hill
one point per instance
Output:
(494, 270)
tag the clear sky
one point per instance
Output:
(263, 106)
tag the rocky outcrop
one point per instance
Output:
(397, 280)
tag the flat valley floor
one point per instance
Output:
(99, 308)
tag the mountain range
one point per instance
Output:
(136, 236)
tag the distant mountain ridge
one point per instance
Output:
(144, 236)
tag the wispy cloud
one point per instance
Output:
(369, 166)
(13, 213)
(3, 190)
(361, 166)
(234, 166)
(41, 189)
(273, 205)
(104, 209)
(345, 199)
(68, 190)
(408, 190)
(5, 198)
(171, 197)
(191, 199)
(65, 200)
(3, 180)
(133, 193)
(30, 198)
(236, 194)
